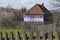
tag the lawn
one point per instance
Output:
(12, 30)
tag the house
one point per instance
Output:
(38, 13)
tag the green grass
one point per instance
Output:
(12, 30)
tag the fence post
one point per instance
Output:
(50, 35)
(0, 35)
(24, 35)
(17, 36)
(11, 36)
(57, 35)
(31, 35)
(6, 36)
(43, 35)
(38, 35)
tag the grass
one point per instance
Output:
(12, 30)
(3, 30)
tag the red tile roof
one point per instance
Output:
(37, 9)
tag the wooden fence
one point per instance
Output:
(45, 36)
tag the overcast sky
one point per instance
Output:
(49, 4)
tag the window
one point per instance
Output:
(31, 16)
(38, 16)
(34, 18)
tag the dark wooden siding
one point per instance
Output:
(48, 18)
(56, 17)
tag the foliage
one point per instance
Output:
(8, 16)
(23, 9)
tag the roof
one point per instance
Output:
(37, 9)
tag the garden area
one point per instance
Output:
(14, 30)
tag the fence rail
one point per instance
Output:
(39, 36)
(32, 26)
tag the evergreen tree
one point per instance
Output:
(23, 9)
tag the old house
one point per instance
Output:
(38, 13)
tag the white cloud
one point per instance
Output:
(23, 1)
(55, 4)
(27, 3)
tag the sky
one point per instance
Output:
(49, 4)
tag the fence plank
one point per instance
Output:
(17, 36)
(38, 35)
(6, 36)
(24, 36)
(11, 36)
(0, 35)
(50, 35)
(43, 35)
(31, 35)
(57, 35)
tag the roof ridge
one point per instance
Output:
(37, 9)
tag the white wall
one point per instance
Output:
(26, 19)
(39, 19)
(35, 19)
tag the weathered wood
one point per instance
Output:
(31, 35)
(17, 36)
(57, 35)
(43, 35)
(38, 35)
(11, 36)
(50, 35)
(6, 36)
(0, 35)
(24, 36)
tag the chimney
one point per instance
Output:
(42, 4)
